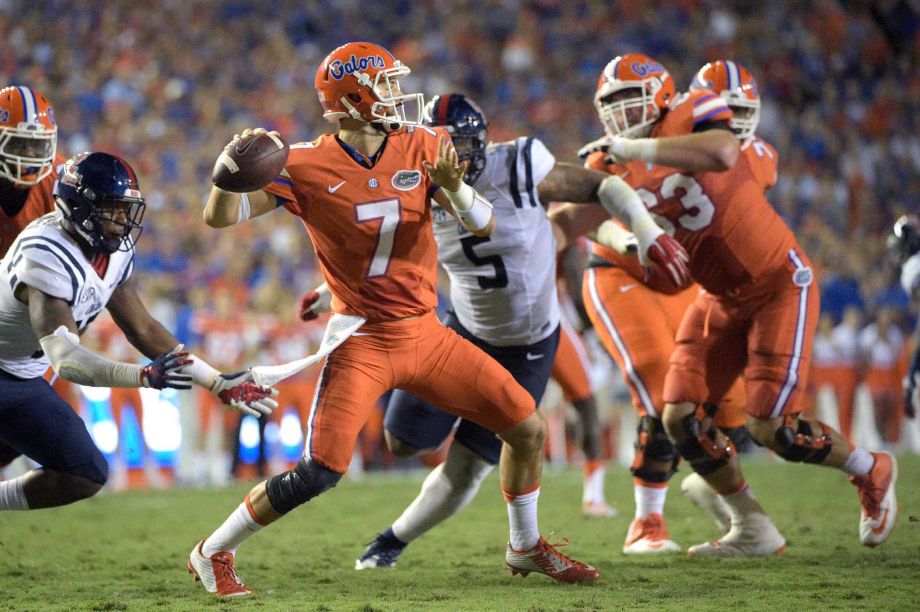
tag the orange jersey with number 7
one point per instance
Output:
(369, 220)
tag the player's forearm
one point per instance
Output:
(222, 209)
(709, 151)
(570, 183)
(152, 339)
(575, 220)
(623, 203)
(77, 364)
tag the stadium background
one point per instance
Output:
(166, 83)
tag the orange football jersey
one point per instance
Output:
(763, 160)
(723, 219)
(39, 202)
(369, 221)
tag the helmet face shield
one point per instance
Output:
(28, 136)
(473, 150)
(745, 115)
(462, 118)
(27, 154)
(120, 223)
(392, 104)
(627, 112)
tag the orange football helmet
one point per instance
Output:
(28, 136)
(738, 88)
(360, 80)
(648, 89)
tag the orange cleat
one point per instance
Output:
(216, 573)
(545, 559)
(876, 494)
(648, 536)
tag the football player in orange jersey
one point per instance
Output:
(736, 86)
(28, 152)
(503, 299)
(756, 316)
(363, 195)
(635, 314)
(28, 160)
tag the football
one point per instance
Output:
(250, 163)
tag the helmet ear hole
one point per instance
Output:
(354, 98)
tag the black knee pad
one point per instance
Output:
(797, 441)
(292, 488)
(701, 446)
(653, 444)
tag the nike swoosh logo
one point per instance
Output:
(881, 523)
(334, 189)
(242, 151)
(625, 288)
(534, 356)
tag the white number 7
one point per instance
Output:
(389, 213)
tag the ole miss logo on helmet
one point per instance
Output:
(338, 69)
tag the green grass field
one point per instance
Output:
(128, 552)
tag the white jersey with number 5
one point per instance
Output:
(503, 287)
(45, 257)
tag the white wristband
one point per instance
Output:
(202, 373)
(474, 210)
(245, 210)
(644, 149)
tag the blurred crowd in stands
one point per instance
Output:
(166, 83)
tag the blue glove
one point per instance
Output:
(166, 370)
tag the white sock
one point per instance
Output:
(742, 502)
(858, 462)
(447, 490)
(522, 516)
(12, 496)
(594, 485)
(228, 537)
(649, 500)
